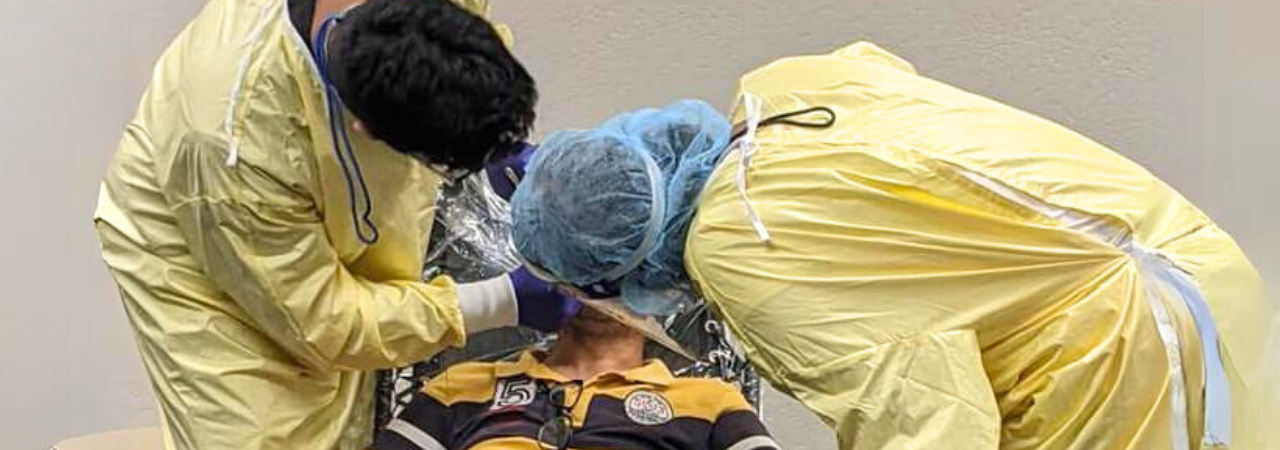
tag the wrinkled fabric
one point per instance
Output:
(945, 271)
(259, 314)
(590, 205)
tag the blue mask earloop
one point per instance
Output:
(342, 147)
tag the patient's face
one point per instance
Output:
(591, 323)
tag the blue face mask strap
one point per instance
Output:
(342, 147)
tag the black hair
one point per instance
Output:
(432, 80)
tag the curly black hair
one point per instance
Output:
(432, 80)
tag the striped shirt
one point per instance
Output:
(488, 406)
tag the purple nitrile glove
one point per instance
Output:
(542, 306)
(504, 174)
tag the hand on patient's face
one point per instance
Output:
(541, 305)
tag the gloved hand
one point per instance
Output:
(504, 174)
(542, 307)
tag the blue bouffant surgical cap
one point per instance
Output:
(613, 204)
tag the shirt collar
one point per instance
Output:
(653, 372)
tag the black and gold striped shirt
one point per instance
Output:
(488, 406)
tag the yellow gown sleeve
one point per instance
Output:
(261, 240)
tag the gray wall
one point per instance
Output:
(71, 72)
(1188, 89)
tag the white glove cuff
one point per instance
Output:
(488, 304)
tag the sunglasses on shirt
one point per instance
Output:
(555, 433)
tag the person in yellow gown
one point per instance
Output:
(267, 212)
(921, 267)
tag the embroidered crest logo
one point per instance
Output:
(647, 408)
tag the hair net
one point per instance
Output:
(615, 202)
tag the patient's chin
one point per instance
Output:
(593, 325)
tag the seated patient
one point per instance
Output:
(592, 390)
